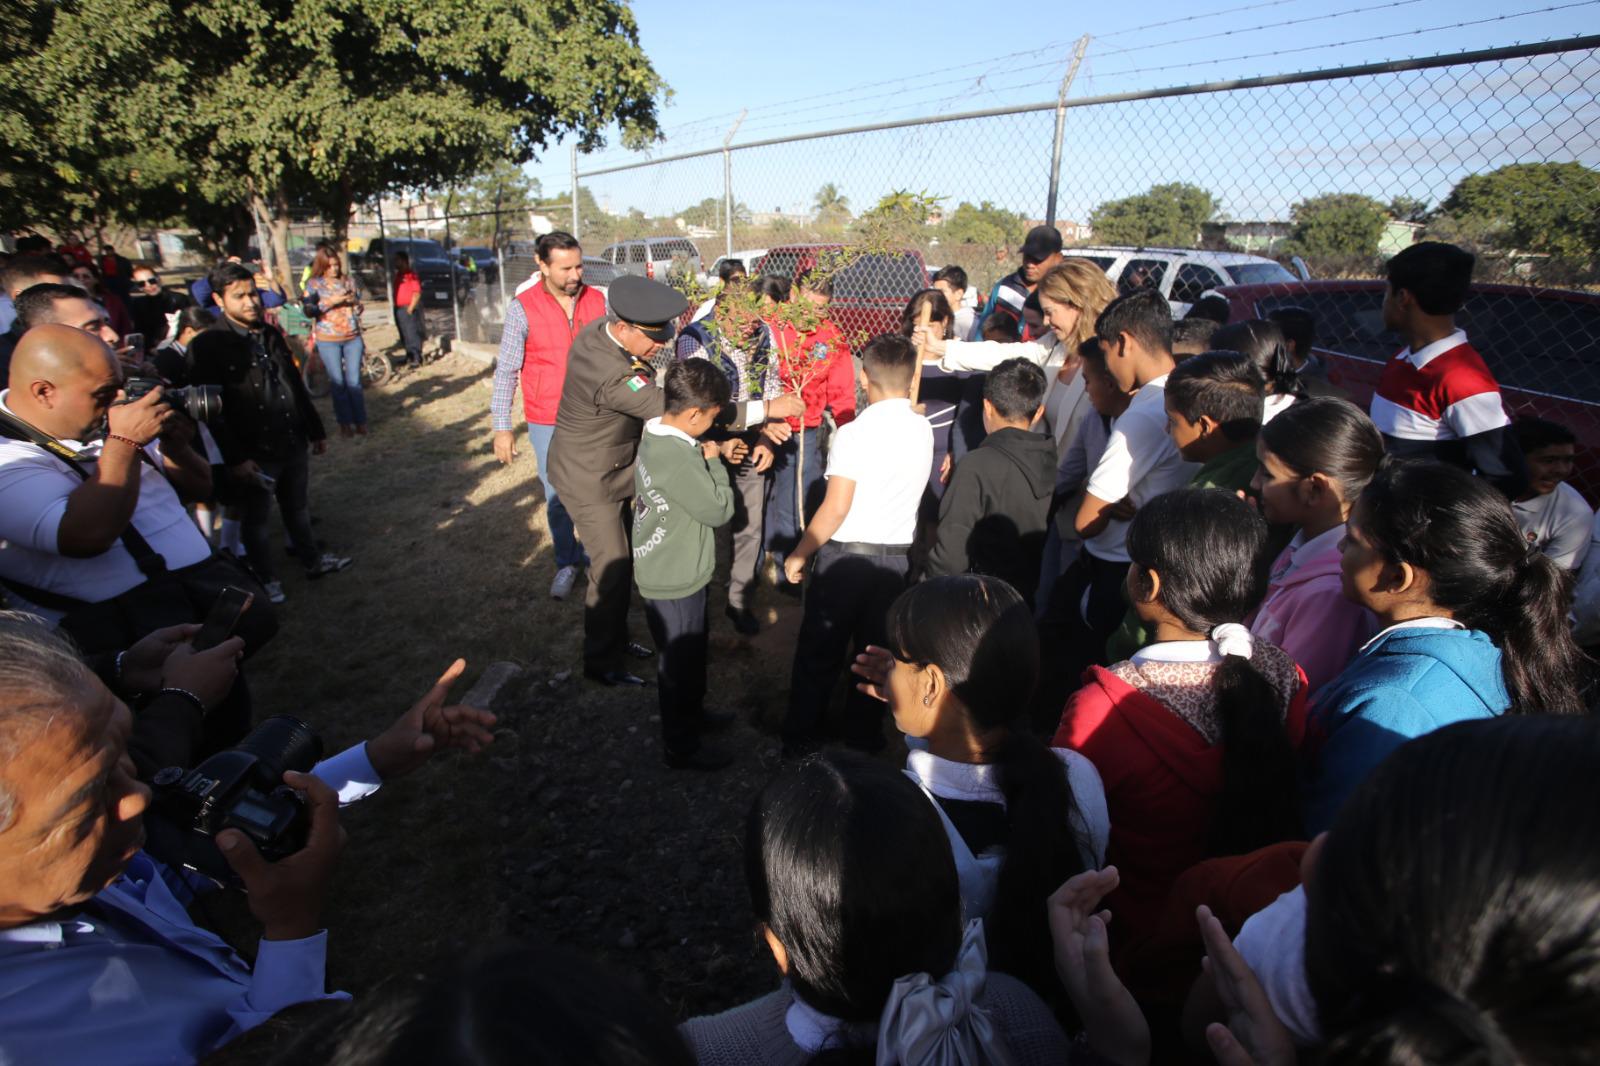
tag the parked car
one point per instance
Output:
(746, 258)
(1543, 346)
(487, 262)
(521, 263)
(869, 293)
(662, 258)
(428, 258)
(1182, 275)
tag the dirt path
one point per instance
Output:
(571, 829)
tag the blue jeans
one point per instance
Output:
(342, 361)
(783, 524)
(568, 551)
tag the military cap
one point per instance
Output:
(651, 306)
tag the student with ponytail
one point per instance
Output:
(1315, 460)
(1194, 736)
(1474, 625)
(958, 675)
(1263, 343)
(855, 893)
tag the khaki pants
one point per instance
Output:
(603, 528)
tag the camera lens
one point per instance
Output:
(283, 743)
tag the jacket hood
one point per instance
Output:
(1467, 653)
(1322, 565)
(1033, 454)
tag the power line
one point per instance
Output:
(1342, 44)
(1264, 26)
(1191, 18)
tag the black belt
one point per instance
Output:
(854, 547)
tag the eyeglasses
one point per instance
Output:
(148, 281)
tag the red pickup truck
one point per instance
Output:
(868, 294)
(1543, 346)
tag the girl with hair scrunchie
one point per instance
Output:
(855, 892)
(1194, 736)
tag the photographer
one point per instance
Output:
(269, 427)
(99, 960)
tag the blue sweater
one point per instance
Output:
(1403, 685)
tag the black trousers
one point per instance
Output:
(846, 607)
(1085, 607)
(293, 492)
(409, 323)
(679, 629)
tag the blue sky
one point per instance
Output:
(827, 63)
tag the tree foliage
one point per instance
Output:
(984, 224)
(902, 208)
(504, 184)
(1545, 208)
(833, 207)
(1170, 214)
(710, 211)
(1337, 224)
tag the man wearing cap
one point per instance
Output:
(609, 392)
(1040, 252)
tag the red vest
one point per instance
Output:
(544, 352)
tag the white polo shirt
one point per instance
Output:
(1140, 461)
(34, 486)
(887, 451)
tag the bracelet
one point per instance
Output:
(186, 694)
(135, 445)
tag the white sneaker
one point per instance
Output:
(275, 591)
(565, 578)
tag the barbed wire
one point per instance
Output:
(1388, 6)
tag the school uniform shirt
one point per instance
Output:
(1409, 680)
(1275, 404)
(1557, 523)
(680, 498)
(1586, 595)
(1151, 727)
(1305, 611)
(1140, 461)
(886, 452)
(34, 486)
(1442, 402)
(972, 806)
(1273, 942)
(130, 978)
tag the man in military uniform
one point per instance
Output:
(609, 392)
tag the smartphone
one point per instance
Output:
(266, 480)
(134, 342)
(230, 604)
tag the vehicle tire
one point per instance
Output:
(375, 369)
(316, 378)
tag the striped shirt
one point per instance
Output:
(1442, 392)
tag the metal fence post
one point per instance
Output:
(1061, 126)
(499, 252)
(455, 288)
(727, 181)
(574, 188)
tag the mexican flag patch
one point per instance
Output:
(637, 382)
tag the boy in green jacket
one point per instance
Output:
(680, 497)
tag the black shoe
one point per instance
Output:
(638, 651)
(613, 677)
(744, 622)
(718, 719)
(705, 757)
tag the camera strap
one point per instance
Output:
(150, 562)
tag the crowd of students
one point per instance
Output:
(1230, 721)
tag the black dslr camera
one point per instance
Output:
(241, 788)
(200, 402)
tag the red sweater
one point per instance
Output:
(1162, 780)
(544, 351)
(833, 386)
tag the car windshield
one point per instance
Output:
(479, 253)
(1258, 273)
(422, 249)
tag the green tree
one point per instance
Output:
(324, 102)
(1408, 209)
(1169, 214)
(832, 206)
(1337, 224)
(984, 224)
(504, 184)
(709, 213)
(1545, 208)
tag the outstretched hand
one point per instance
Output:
(874, 666)
(429, 726)
(1115, 1026)
(1253, 1035)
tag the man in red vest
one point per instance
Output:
(539, 327)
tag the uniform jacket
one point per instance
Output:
(993, 516)
(550, 335)
(1406, 683)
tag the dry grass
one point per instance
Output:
(570, 829)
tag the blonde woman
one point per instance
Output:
(1072, 295)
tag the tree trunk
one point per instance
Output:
(280, 242)
(341, 222)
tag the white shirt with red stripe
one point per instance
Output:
(1443, 391)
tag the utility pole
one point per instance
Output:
(1061, 126)
(727, 181)
(574, 188)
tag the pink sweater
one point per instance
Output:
(1305, 612)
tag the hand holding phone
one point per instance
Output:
(219, 624)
